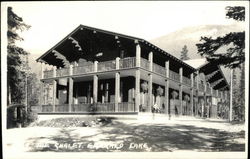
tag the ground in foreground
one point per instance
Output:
(156, 135)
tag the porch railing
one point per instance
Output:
(83, 69)
(84, 107)
(186, 81)
(88, 107)
(46, 108)
(62, 108)
(127, 62)
(173, 75)
(126, 107)
(104, 107)
(159, 69)
(106, 66)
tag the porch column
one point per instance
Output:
(192, 94)
(54, 90)
(138, 54)
(197, 92)
(205, 98)
(137, 76)
(150, 82)
(70, 88)
(167, 88)
(137, 90)
(42, 69)
(180, 90)
(117, 85)
(95, 88)
(70, 93)
(95, 83)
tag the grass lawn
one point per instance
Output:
(113, 135)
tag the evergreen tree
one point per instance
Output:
(16, 59)
(184, 53)
(235, 54)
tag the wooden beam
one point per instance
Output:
(60, 56)
(76, 43)
(214, 84)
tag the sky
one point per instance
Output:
(52, 21)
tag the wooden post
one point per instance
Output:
(70, 93)
(137, 90)
(180, 89)
(167, 106)
(54, 95)
(42, 70)
(117, 85)
(95, 88)
(138, 55)
(150, 82)
(150, 89)
(192, 94)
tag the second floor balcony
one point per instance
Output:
(111, 65)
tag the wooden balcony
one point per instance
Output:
(159, 69)
(186, 81)
(127, 63)
(106, 66)
(62, 72)
(83, 69)
(208, 91)
(201, 87)
(48, 73)
(145, 64)
(173, 75)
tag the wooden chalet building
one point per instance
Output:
(98, 71)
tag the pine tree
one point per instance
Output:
(235, 54)
(184, 53)
(16, 59)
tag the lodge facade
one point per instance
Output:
(97, 71)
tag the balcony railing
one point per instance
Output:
(83, 69)
(214, 92)
(201, 87)
(127, 63)
(159, 69)
(208, 91)
(195, 84)
(62, 72)
(174, 75)
(186, 81)
(144, 63)
(48, 73)
(106, 66)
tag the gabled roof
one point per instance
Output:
(120, 35)
(196, 63)
(204, 66)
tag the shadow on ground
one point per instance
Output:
(143, 137)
